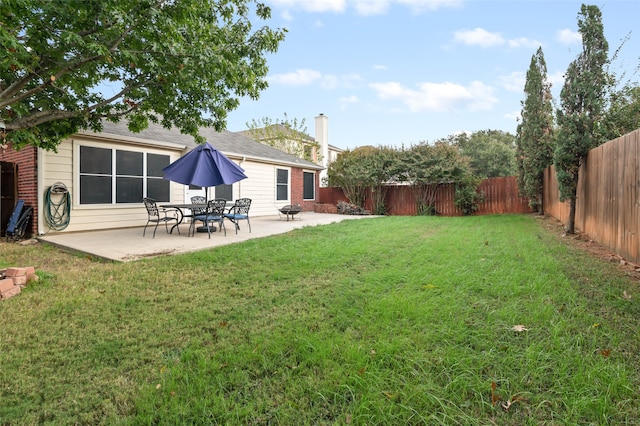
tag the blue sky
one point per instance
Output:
(393, 72)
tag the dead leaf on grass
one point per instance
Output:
(506, 405)
(519, 328)
(605, 352)
(626, 295)
(494, 396)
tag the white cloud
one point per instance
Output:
(300, 77)
(483, 38)
(524, 42)
(331, 82)
(346, 101)
(426, 5)
(568, 37)
(364, 7)
(478, 37)
(312, 5)
(286, 15)
(380, 67)
(514, 82)
(306, 77)
(439, 96)
(370, 7)
(514, 115)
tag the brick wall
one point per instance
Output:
(297, 187)
(297, 190)
(27, 161)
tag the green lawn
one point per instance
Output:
(392, 321)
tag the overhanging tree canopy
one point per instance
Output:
(68, 64)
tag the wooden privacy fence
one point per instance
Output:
(500, 197)
(608, 199)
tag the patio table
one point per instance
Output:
(181, 213)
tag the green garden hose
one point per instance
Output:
(57, 210)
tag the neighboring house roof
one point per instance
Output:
(230, 143)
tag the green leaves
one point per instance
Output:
(180, 60)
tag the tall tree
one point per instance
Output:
(288, 135)
(623, 115)
(534, 138)
(427, 168)
(491, 153)
(583, 102)
(349, 172)
(72, 63)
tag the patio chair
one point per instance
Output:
(158, 215)
(198, 199)
(239, 211)
(214, 213)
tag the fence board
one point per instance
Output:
(608, 197)
(500, 197)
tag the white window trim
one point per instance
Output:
(275, 194)
(113, 148)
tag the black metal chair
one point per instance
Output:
(239, 211)
(198, 199)
(213, 213)
(158, 215)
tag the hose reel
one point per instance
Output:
(57, 206)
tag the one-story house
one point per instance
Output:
(107, 174)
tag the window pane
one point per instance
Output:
(95, 160)
(195, 187)
(95, 189)
(283, 176)
(158, 189)
(155, 164)
(282, 184)
(224, 192)
(282, 193)
(309, 186)
(128, 163)
(128, 190)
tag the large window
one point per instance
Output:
(282, 184)
(113, 176)
(309, 191)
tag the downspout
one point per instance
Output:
(240, 182)
(40, 189)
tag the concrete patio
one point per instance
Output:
(128, 244)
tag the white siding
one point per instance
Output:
(259, 186)
(60, 167)
(63, 167)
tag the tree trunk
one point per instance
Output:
(540, 205)
(571, 222)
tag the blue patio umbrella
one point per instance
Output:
(204, 166)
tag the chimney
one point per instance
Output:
(322, 137)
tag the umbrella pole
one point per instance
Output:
(206, 228)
